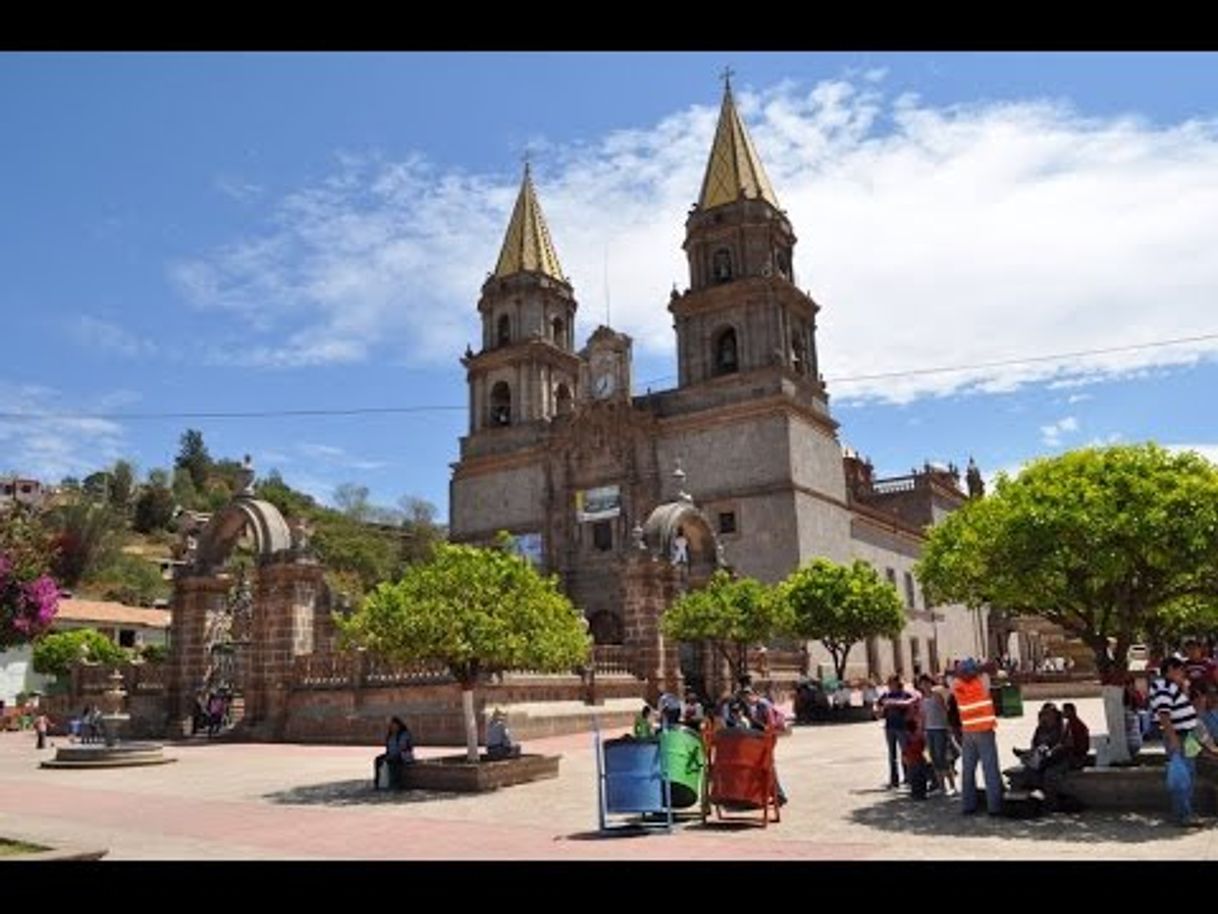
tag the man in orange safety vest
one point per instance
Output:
(978, 722)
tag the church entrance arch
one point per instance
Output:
(681, 536)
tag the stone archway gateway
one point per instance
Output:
(239, 625)
(675, 550)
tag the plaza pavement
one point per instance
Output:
(255, 801)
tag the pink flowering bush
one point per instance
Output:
(26, 606)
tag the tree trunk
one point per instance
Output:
(1114, 714)
(839, 666)
(471, 725)
(1112, 672)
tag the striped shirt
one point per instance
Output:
(1165, 695)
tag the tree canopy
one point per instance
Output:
(193, 457)
(55, 653)
(1113, 544)
(475, 610)
(841, 605)
(731, 613)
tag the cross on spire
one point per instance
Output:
(726, 76)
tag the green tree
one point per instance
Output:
(478, 611)
(420, 530)
(841, 605)
(56, 653)
(184, 491)
(122, 486)
(352, 500)
(97, 486)
(1108, 543)
(155, 506)
(154, 653)
(27, 545)
(194, 458)
(733, 614)
(85, 535)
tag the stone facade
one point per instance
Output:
(749, 421)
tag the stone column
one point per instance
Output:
(193, 599)
(648, 588)
(285, 597)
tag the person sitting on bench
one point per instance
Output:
(499, 743)
(399, 752)
(1047, 761)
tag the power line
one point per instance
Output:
(404, 410)
(1002, 363)
(1026, 360)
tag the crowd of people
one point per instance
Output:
(951, 718)
(743, 709)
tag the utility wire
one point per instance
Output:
(402, 410)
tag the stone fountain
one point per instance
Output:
(113, 753)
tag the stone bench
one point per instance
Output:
(455, 773)
(1140, 786)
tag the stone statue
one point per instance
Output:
(245, 477)
(680, 548)
(976, 486)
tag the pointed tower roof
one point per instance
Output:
(734, 167)
(527, 245)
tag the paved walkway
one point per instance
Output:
(229, 801)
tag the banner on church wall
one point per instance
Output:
(598, 504)
(529, 546)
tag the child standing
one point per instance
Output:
(914, 758)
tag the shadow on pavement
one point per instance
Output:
(622, 831)
(354, 793)
(940, 817)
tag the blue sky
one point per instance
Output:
(212, 232)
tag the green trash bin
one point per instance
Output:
(1012, 701)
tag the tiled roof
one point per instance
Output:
(74, 610)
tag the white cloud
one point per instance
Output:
(1051, 434)
(931, 236)
(51, 447)
(106, 336)
(1078, 398)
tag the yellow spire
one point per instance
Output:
(733, 168)
(527, 245)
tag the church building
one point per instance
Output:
(563, 454)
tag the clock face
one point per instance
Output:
(604, 385)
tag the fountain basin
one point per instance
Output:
(120, 755)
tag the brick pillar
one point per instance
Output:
(648, 588)
(193, 599)
(285, 599)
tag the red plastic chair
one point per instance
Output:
(740, 773)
